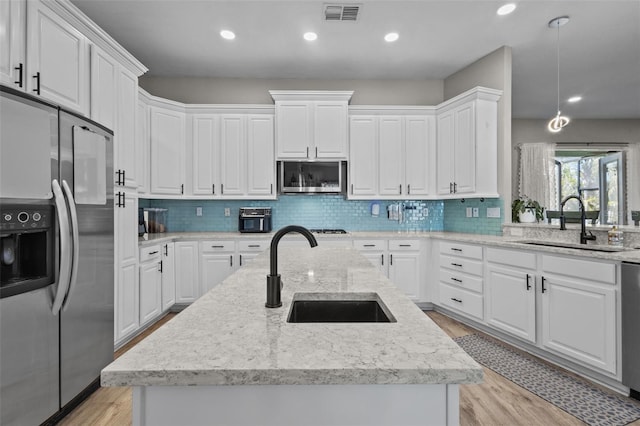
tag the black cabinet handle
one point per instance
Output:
(351, 188)
(450, 187)
(307, 152)
(456, 280)
(153, 252)
(160, 266)
(19, 68)
(543, 288)
(391, 260)
(408, 189)
(400, 189)
(182, 188)
(231, 260)
(382, 259)
(369, 245)
(405, 245)
(166, 249)
(316, 152)
(456, 264)
(240, 260)
(213, 188)
(37, 77)
(528, 284)
(456, 249)
(254, 245)
(222, 188)
(456, 300)
(271, 189)
(217, 246)
(455, 187)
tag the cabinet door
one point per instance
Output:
(578, 320)
(187, 271)
(104, 95)
(330, 130)
(150, 291)
(167, 151)
(465, 150)
(363, 164)
(59, 53)
(168, 276)
(214, 268)
(206, 154)
(377, 259)
(232, 154)
(404, 271)
(511, 301)
(390, 156)
(444, 153)
(292, 129)
(417, 154)
(125, 129)
(260, 158)
(13, 21)
(126, 260)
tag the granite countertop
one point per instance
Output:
(513, 242)
(228, 337)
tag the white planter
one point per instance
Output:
(528, 216)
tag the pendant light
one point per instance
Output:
(558, 122)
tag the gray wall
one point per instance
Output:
(493, 71)
(256, 91)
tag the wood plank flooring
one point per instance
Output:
(497, 401)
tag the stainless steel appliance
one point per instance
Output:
(300, 177)
(630, 296)
(56, 292)
(254, 219)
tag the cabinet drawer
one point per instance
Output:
(513, 258)
(257, 246)
(577, 268)
(398, 245)
(461, 264)
(461, 300)
(216, 246)
(458, 279)
(150, 253)
(463, 250)
(370, 245)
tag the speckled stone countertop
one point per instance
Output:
(631, 253)
(228, 337)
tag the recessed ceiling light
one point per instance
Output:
(574, 99)
(228, 35)
(391, 37)
(506, 9)
(310, 36)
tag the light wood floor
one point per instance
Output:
(497, 401)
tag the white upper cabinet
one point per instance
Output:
(57, 66)
(12, 43)
(142, 144)
(232, 154)
(104, 95)
(260, 156)
(167, 139)
(391, 156)
(311, 124)
(467, 145)
(205, 129)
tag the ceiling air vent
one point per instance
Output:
(341, 12)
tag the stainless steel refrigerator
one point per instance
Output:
(57, 263)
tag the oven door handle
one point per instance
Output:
(65, 249)
(73, 214)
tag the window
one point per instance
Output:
(597, 177)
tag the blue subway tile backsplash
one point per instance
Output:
(331, 211)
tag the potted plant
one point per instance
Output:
(526, 210)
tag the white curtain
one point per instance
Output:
(633, 178)
(537, 177)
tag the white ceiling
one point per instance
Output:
(600, 46)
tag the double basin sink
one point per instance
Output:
(338, 308)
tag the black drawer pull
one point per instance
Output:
(456, 249)
(456, 280)
(456, 264)
(153, 252)
(369, 245)
(405, 245)
(543, 288)
(528, 284)
(456, 300)
(254, 245)
(217, 246)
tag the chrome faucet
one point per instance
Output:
(583, 218)
(274, 283)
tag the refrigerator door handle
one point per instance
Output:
(65, 249)
(75, 241)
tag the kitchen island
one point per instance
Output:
(227, 359)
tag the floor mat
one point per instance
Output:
(578, 398)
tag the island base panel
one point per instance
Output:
(297, 404)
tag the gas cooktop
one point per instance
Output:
(328, 231)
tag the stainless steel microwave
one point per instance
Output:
(300, 177)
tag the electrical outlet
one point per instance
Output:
(469, 212)
(198, 211)
(425, 211)
(227, 211)
(476, 212)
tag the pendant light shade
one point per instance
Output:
(559, 121)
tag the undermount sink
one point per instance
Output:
(576, 246)
(338, 307)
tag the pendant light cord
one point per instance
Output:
(558, 62)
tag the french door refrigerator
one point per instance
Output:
(57, 263)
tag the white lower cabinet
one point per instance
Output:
(216, 262)
(460, 283)
(579, 310)
(511, 292)
(150, 284)
(186, 271)
(248, 250)
(168, 276)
